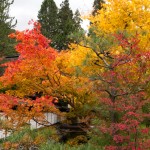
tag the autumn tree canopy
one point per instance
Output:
(104, 78)
(119, 60)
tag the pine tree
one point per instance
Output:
(66, 25)
(97, 5)
(6, 26)
(47, 16)
(79, 33)
(77, 20)
(59, 25)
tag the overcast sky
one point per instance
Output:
(25, 10)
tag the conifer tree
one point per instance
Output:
(48, 18)
(6, 25)
(77, 20)
(59, 25)
(66, 25)
(79, 33)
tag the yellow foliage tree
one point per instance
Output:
(117, 69)
(130, 16)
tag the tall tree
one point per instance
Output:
(77, 19)
(58, 25)
(122, 77)
(78, 33)
(66, 24)
(6, 25)
(31, 44)
(48, 18)
(50, 78)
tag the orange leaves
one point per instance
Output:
(32, 41)
(7, 102)
(45, 104)
(41, 68)
(23, 77)
(20, 111)
(36, 61)
(12, 35)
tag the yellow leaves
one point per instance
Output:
(79, 54)
(7, 145)
(79, 59)
(40, 139)
(122, 15)
(77, 140)
(129, 16)
(116, 50)
(45, 83)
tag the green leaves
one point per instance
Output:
(58, 25)
(6, 26)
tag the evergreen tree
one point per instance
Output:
(66, 25)
(69, 26)
(6, 25)
(97, 5)
(48, 18)
(77, 20)
(79, 33)
(59, 25)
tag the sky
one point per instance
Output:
(25, 10)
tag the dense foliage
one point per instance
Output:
(97, 5)
(6, 25)
(104, 78)
(59, 24)
(47, 16)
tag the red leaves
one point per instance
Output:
(45, 102)
(34, 55)
(118, 138)
(31, 40)
(124, 83)
(145, 131)
(131, 42)
(121, 126)
(35, 64)
(7, 102)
